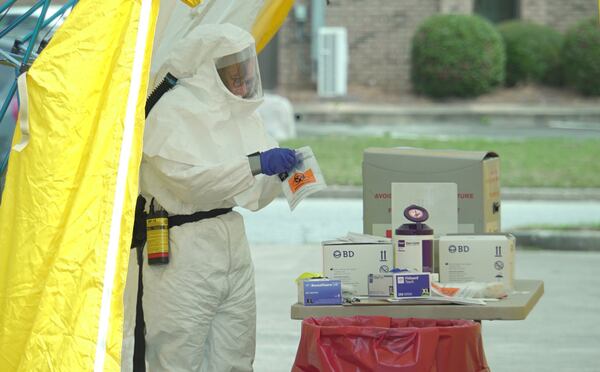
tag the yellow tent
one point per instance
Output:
(66, 214)
(67, 210)
(269, 20)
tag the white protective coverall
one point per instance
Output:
(200, 308)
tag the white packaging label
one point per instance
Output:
(408, 252)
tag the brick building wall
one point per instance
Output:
(558, 14)
(380, 33)
(379, 38)
(294, 53)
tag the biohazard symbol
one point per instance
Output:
(299, 179)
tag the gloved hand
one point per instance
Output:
(277, 160)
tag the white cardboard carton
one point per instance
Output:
(352, 262)
(477, 258)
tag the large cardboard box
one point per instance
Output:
(476, 174)
(353, 262)
(477, 258)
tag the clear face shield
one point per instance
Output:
(239, 73)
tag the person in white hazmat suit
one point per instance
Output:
(205, 149)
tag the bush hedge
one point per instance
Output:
(581, 57)
(457, 55)
(532, 53)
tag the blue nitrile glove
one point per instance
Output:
(277, 160)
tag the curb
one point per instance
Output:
(583, 240)
(531, 116)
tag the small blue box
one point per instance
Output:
(412, 285)
(315, 292)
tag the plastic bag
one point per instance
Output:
(376, 343)
(470, 290)
(305, 179)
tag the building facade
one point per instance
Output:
(380, 32)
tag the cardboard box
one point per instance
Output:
(412, 285)
(381, 285)
(315, 292)
(353, 262)
(476, 174)
(477, 258)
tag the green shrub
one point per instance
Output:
(457, 55)
(532, 53)
(581, 57)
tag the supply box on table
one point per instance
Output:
(381, 285)
(353, 262)
(412, 285)
(315, 292)
(477, 258)
(477, 175)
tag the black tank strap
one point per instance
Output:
(180, 219)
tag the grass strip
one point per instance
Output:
(556, 162)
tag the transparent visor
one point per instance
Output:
(239, 73)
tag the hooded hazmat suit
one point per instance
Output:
(200, 308)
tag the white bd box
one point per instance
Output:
(353, 262)
(477, 258)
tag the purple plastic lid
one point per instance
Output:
(415, 213)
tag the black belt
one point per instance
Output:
(180, 219)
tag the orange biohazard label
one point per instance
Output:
(299, 179)
(447, 291)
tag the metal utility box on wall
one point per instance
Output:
(332, 74)
(476, 174)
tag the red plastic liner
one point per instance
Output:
(381, 344)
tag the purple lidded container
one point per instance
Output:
(413, 242)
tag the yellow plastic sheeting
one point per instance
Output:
(67, 210)
(192, 3)
(269, 21)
